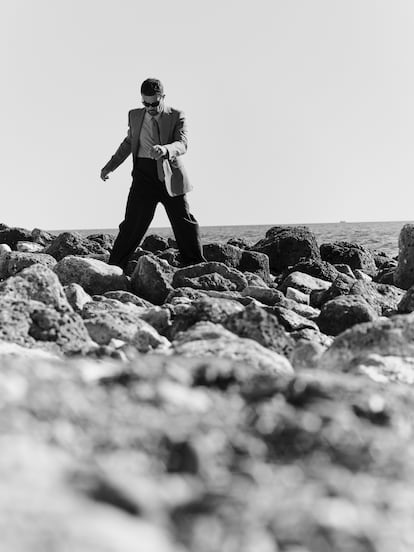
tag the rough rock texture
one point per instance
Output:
(352, 254)
(268, 296)
(223, 253)
(404, 273)
(42, 237)
(15, 261)
(127, 297)
(320, 269)
(29, 247)
(210, 275)
(286, 246)
(105, 241)
(343, 312)
(256, 263)
(76, 296)
(94, 276)
(72, 243)
(11, 236)
(152, 279)
(155, 243)
(303, 282)
(293, 321)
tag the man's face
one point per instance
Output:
(149, 101)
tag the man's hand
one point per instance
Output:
(104, 174)
(158, 152)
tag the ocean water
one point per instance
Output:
(382, 236)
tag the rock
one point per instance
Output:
(4, 249)
(255, 280)
(211, 275)
(239, 242)
(360, 275)
(268, 296)
(344, 269)
(341, 313)
(42, 237)
(385, 276)
(18, 260)
(255, 323)
(72, 243)
(29, 247)
(298, 296)
(390, 337)
(127, 297)
(105, 241)
(404, 273)
(11, 236)
(152, 279)
(306, 355)
(171, 256)
(285, 246)
(204, 309)
(256, 263)
(96, 277)
(155, 243)
(304, 283)
(223, 253)
(292, 321)
(315, 267)
(352, 254)
(406, 305)
(76, 296)
(382, 260)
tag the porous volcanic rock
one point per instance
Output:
(404, 273)
(292, 321)
(42, 237)
(341, 313)
(152, 279)
(320, 269)
(223, 253)
(76, 296)
(29, 247)
(16, 261)
(304, 282)
(352, 254)
(155, 243)
(256, 263)
(266, 295)
(239, 242)
(105, 241)
(211, 275)
(96, 277)
(406, 305)
(72, 243)
(127, 297)
(11, 236)
(287, 245)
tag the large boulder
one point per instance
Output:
(72, 243)
(152, 279)
(352, 254)
(223, 253)
(96, 277)
(287, 245)
(211, 275)
(16, 261)
(404, 273)
(343, 312)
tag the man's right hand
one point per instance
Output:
(104, 174)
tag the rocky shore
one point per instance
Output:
(259, 402)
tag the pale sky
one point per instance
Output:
(299, 111)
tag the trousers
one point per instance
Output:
(144, 195)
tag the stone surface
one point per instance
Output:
(352, 254)
(304, 283)
(152, 279)
(315, 267)
(18, 260)
(105, 241)
(343, 312)
(94, 276)
(406, 305)
(155, 243)
(76, 296)
(11, 236)
(223, 253)
(298, 296)
(404, 273)
(29, 247)
(127, 297)
(344, 269)
(268, 296)
(72, 243)
(256, 263)
(287, 245)
(211, 275)
(293, 321)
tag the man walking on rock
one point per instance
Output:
(157, 138)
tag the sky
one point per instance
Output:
(299, 111)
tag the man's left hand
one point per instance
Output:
(159, 152)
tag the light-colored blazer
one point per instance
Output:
(173, 135)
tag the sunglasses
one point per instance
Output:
(153, 104)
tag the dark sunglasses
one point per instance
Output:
(153, 104)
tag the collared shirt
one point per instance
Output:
(146, 140)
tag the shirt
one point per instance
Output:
(146, 139)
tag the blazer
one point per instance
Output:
(173, 135)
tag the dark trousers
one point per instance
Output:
(145, 193)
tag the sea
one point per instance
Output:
(381, 236)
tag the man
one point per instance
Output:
(157, 137)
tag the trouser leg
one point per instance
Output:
(185, 227)
(139, 213)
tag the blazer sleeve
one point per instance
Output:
(122, 152)
(179, 143)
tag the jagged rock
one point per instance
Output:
(385, 276)
(304, 282)
(306, 354)
(343, 312)
(382, 260)
(127, 297)
(298, 296)
(404, 273)
(386, 337)
(204, 309)
(210, 275)
(16, 261)
(360, 275)
(268, 296)
(292, 321)
(72, 243)
(172, 256)
(286, 246)
(255, 280)
(152, 279)
(155, 243)
(29, 247)
(11, 236)
(344, 269)
(406, 305)
(105, 241)
(317, 268)
(255, 323)
(256, 263)
(42, 237)
(223, 253)
(239, 242)
(96, 277)
(76, 296)
(352, 254)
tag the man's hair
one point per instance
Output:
(152, 87)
